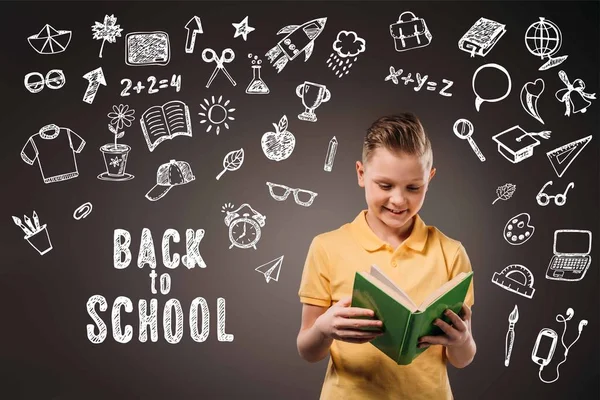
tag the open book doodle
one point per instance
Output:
(164, 122)
(404, 322)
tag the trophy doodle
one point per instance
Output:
(312, 94)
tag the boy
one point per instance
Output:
(395, 172)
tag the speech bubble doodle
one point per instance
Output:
(478, 99)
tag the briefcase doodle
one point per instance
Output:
(410, 32)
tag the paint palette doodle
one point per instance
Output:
(515, 278)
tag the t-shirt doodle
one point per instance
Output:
(54, 148)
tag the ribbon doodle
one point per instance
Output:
(564, 95)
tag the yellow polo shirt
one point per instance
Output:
(424, 261)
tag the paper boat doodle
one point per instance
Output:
(49, 40)
(271, 269)
(299, 38)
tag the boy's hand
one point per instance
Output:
(456, 334)
(340, 322)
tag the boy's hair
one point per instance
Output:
(402, 133)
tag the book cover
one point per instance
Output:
(403, 321)
(481, 37)
(160, 123)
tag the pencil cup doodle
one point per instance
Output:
(35, 234)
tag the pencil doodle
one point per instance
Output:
(330, 156)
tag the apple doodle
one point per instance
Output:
(518, 230)
(278, 145)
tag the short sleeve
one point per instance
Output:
(77, 141)
(314, 287)
(29, 152)
(461, 263)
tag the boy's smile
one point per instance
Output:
(395, 186)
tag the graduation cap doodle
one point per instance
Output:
(516, 145)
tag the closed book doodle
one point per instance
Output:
(164, 122)
(481, 37)
(404, 322)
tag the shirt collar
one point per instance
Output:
(371, 242)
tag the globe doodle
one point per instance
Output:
(543, 39)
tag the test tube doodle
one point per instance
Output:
(329, 158)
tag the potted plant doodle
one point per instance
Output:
(115, 154)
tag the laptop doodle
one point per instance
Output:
(571, 258)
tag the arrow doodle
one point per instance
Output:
(194, 26)
(95, 79)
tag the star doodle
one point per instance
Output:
(242, 29)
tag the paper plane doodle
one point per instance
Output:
(49, 40)
(299, 38)
(271, 269)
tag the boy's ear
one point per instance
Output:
(432, 173)
(360, 173)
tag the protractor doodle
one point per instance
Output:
(515, 278)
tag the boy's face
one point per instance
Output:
(395, 186)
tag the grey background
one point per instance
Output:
(45, 351)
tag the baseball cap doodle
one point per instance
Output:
(168, 175)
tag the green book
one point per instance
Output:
(403, 321)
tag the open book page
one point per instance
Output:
(154, 126)
(442, 290)
(378, 278)
(177, 116)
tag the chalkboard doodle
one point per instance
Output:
(559, 199)
(242, 29)
(147, 48)
(298, 39)
(478, 99)
(193, 27)
(420, 81)
(50, 40)
(481, 37)
(410, 32)
(330, 156)
(280, 144)
(347, 46)
(312, 95)
(95, 78)
(171, 174)
(244, 232)
(463, 129)
(518, 229)
(35, 234)
(257, 85)
(573, 96)
(162, 84)
(35, 82)
(227, 56)
(216, 114)
(515, 144)
(82, 211)
(116, 154)
(168, 121)
(55, 150)
(281, 192)
(571, 258)
(505, 192)
(232, 161)
(271, 269)
(543, 38)
(562, 157)
(515, 278)
(108, 31)
(530, 95)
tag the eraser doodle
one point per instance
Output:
(82, 211)
(214, 114)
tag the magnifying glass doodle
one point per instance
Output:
(478, 99)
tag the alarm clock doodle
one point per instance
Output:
(244, 229)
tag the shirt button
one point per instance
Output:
(394, 264)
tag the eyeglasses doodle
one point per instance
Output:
(559, 199)
(281, 192)
(35, 82)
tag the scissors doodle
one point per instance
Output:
(227, 56)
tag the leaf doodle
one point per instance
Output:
(505, 192)
(232, 161)
(283, 124)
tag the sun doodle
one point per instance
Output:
(216, 114)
